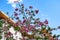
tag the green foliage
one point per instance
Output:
(54, 36)
(43, 27)
(10, 38)
(16, 28)
(0, 31)
(1, 22)
(9, 26)
(46, 38)
(58, 35)
(0, 37)
(49, 28)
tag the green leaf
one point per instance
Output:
(16, 28)
(10, 38)
(33, 14)
(9, 25)
(43, 27)
(40, 32)
(58, 35)
(49, 28)
(0, 37)
(50, 33)
(7, 39)
(0, 31)
(46, 38)
(27, 22)
(54, 36)
(1, 22)
(0, 25)
(23, 17)
(32, 11)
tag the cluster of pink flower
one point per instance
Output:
(29, 23)
(9, 34)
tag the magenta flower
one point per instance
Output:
(8, 34)
(17, 18)
(30, 7)
(24, 20)
(15, 14)
(29, 24)
(22, 4)
(41, 23)
(18, 23)
(51, 38)
(36, 11)
(4, 28)
(28, 12)
(24, 29)
(58, 27)
(23, 38)
(25, 9)
(46, 22)
(16, 9)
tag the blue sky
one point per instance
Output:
(48, 9)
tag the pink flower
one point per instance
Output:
(36, 11)
(46, 22)
(41, 23)
(26, 9)
(58, 27)
(5, 35)
(24, 20)
(4, 28)
(8, 34)
(17, 18)
(17, 23)
(26, 29)
(15, 14)
(16, 9)
(23, 38)
(22, 4)
(30, 7)
(56, 38)
(51, 38)
(28, 12)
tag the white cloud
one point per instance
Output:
(13, 2)
(13, 5)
